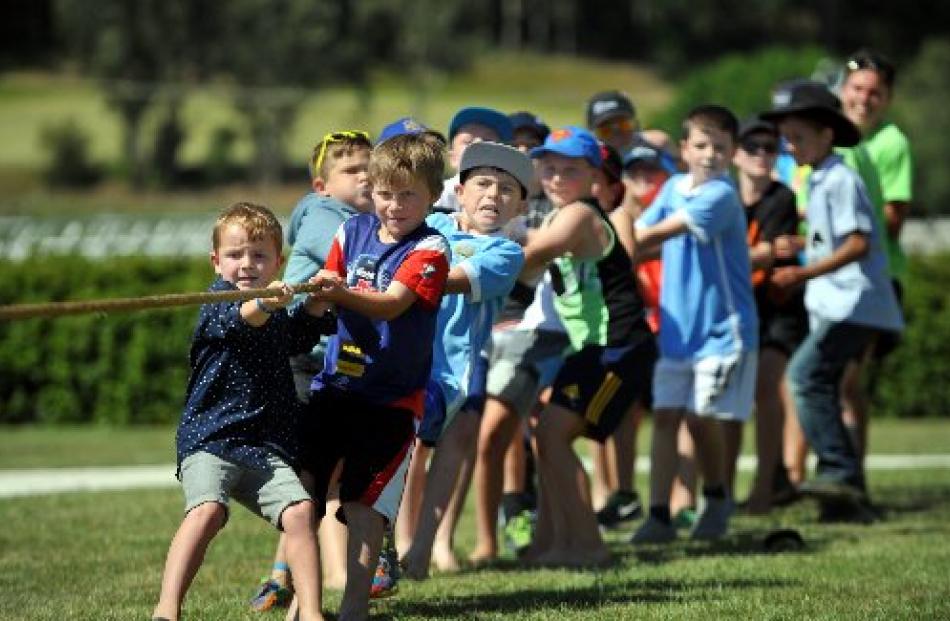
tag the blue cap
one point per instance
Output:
(493, 119)
(644, 151)
(571, 141)
(405, 125)
(531, 122)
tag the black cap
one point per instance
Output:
(756, 124)
(531, 122)
(607, 105)
(813, 100)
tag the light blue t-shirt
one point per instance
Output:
(313, 223)
(859, 292)
(492, 264)
(706, 302)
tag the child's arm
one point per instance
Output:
(648, 238)
(489, 273)
(380, 305)
(571, 231)
(855, 246)
(256, 312)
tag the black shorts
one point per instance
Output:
(783, 331)
(601, 383)
(887, 340)
(374, 441)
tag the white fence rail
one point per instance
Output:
(109, 235)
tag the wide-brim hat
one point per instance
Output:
(500, 156)
(814, 101)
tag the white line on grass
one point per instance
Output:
(34, 481)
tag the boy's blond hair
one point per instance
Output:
(258, 221)
(332, 147)
(402, 159)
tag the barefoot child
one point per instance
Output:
(598, 303)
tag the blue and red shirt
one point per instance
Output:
(385, 362)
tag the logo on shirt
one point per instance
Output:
(572, 392)
(363, 276)
(429, 270)
(463, 249)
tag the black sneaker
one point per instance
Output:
(621, 507)
(859, 512)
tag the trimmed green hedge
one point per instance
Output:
(110, 369)
(132, 368)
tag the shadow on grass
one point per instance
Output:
(897, 499)
(561, 600)
(741, 543)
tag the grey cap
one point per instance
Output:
(500, 156)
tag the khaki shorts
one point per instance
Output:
(209, 478)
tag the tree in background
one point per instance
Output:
(134, 48)
(275, 52)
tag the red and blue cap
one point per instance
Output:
(571, 141)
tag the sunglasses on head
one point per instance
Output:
(335, 137)
(883, 67)
(614, 126)
(753, 145)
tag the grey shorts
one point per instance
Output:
(522, 363)
(208, 478)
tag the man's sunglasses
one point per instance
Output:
(754, 145)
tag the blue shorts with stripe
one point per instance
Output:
(601, 383)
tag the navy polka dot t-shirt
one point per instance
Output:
(240, 404)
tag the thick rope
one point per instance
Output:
(59, 309)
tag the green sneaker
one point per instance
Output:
(519, 531)
(684, 518)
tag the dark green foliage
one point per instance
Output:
(132, 367)
(116, 369)
(913, 381)
(741, 82)
(69, 164)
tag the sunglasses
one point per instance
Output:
(614, 126)
(754, 145)
(883, 67)
(335, 137)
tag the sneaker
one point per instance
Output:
(620, 507)
(713, 522)
(832, 491)
(860, 512)
(271, 594)
(685, 518)
(654, 531)
(519, 532)
(386, 580)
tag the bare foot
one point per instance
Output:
(414, 566)
(481, 558)
(445, 559)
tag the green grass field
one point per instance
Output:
(99, 556)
